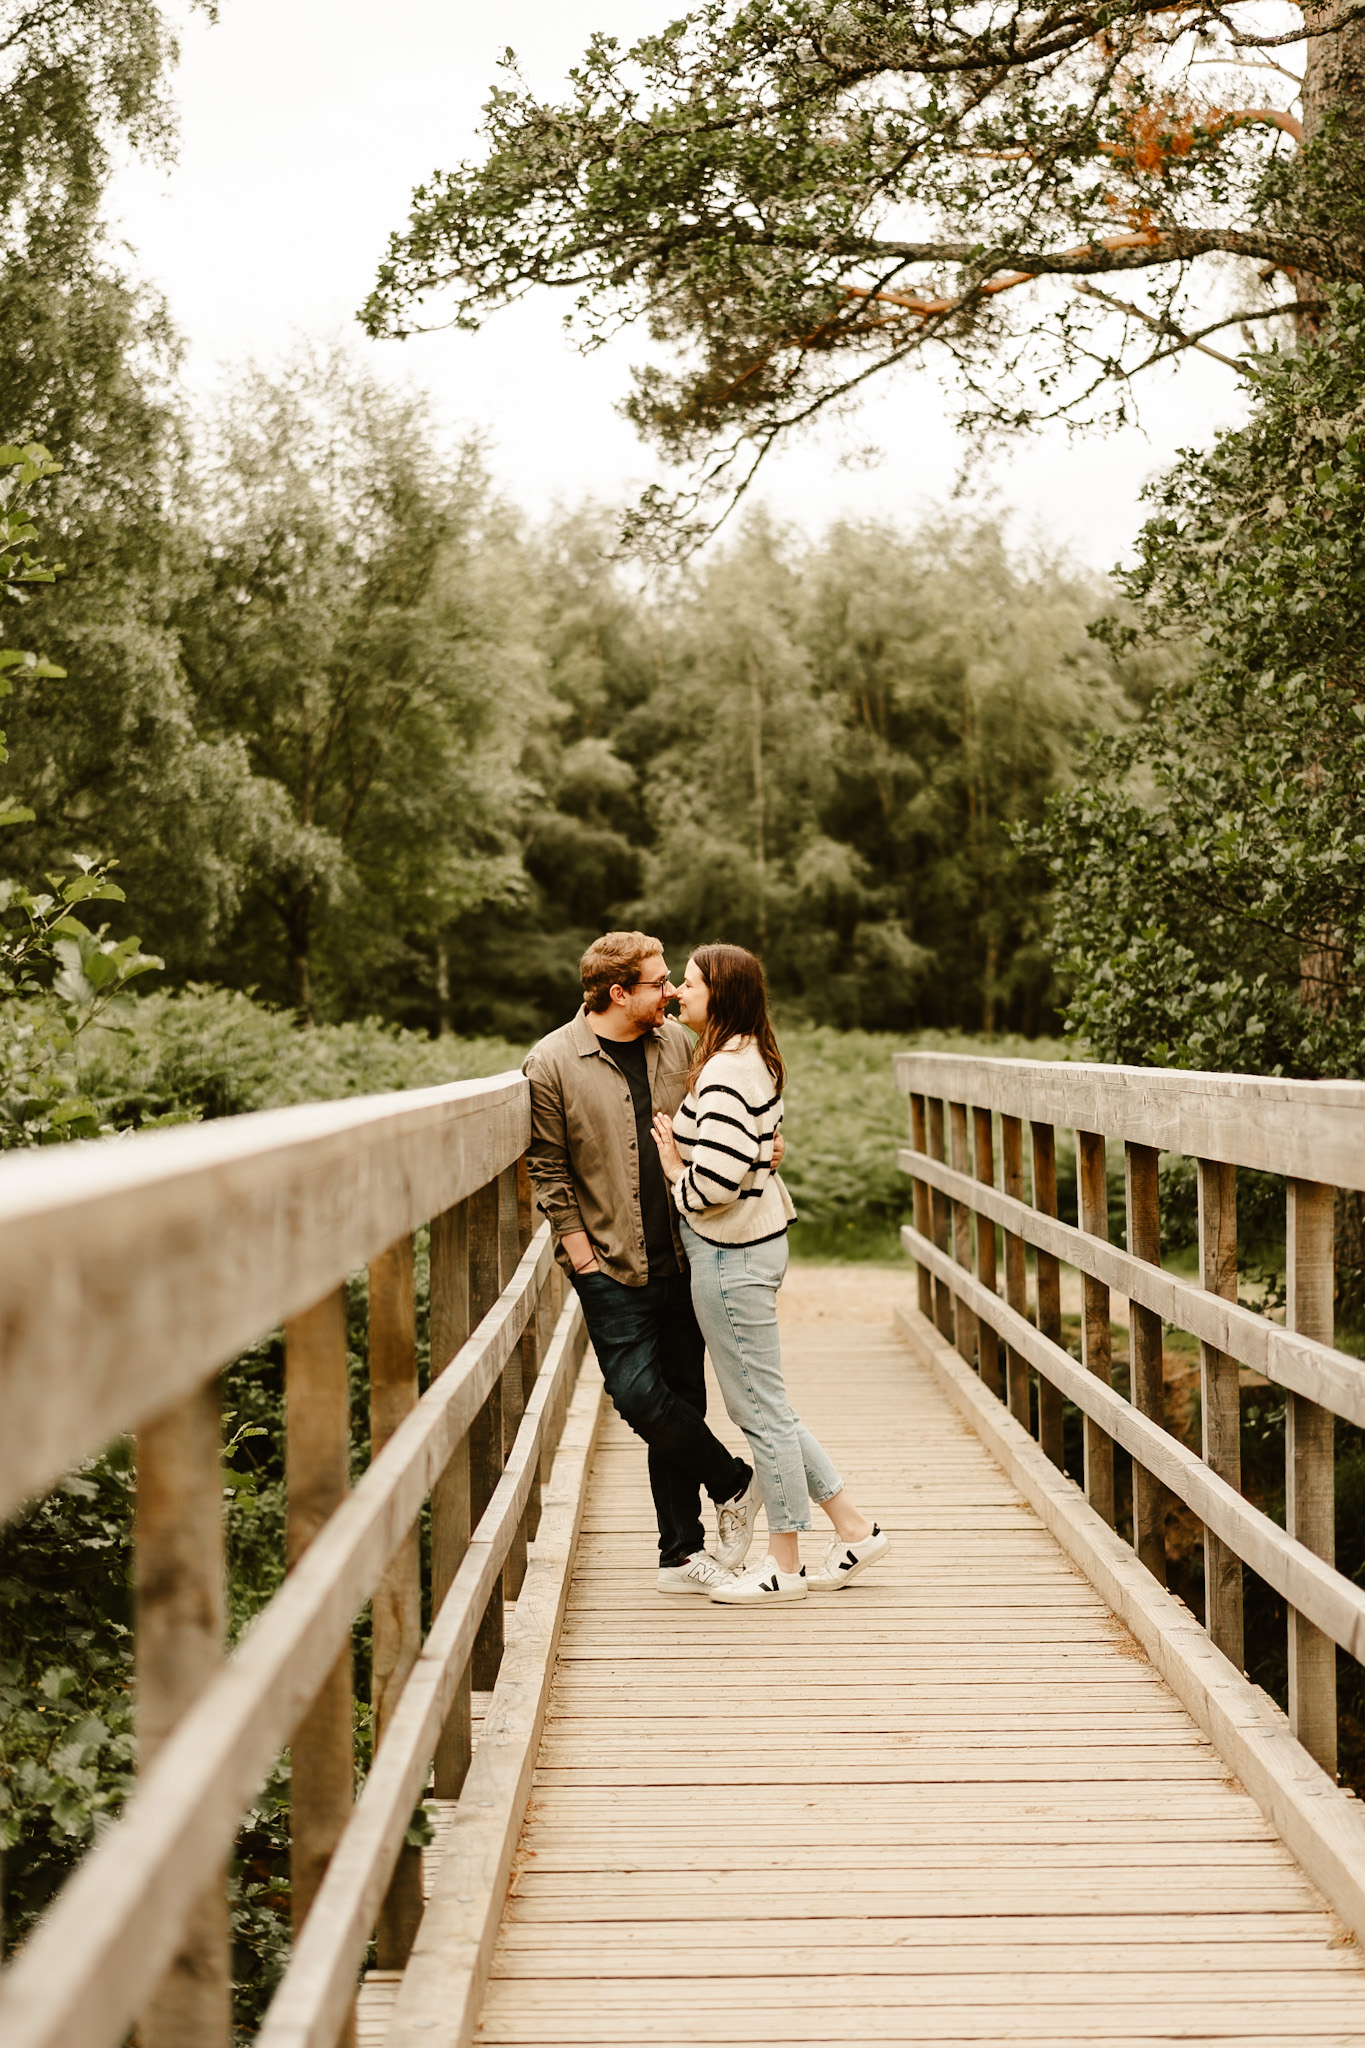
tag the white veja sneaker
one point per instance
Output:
(735, 1526)
(763, 1585)
(843, 1561)
(696, 1574)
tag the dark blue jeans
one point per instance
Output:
(650, 1350)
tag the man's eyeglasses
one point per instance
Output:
(664, 981)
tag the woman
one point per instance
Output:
(734, 1211)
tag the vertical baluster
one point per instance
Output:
(530, 1343)
(919, 1138)
(513, 1390)
(1016, 1268)
(1309, 1467)
(988, 1343)
(964, 1321)
(397, 1608)
(450, 1525)
(938, 1221)
(1096, 1352)
(1049, 1290)
(1221, 1400)
(317, 1463)
(547, 1315)
(180, 1599)
(1148, 1389)
(485, 1435)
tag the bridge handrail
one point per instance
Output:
(288, 1204)
(1312, 1133)
(131, 1269)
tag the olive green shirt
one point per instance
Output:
(584, 1158)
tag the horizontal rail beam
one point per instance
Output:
(84, 1974)
(1320, 1824)
(130, 1272)
(316, 1990)
(1331, 1378)
(1310, 1130)
(1306, 1581)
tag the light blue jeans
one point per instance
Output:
(734, 1292)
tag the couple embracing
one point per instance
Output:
(655, 1161)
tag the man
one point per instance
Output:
(595, 1086)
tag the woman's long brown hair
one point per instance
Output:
(738, 1008)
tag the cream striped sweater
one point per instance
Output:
(728, 1192)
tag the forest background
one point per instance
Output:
(363, 761)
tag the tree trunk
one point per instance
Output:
(760, 798)
(1334, 73)
(298, 922)
(443, 1022)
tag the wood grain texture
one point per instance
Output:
(983, 1161)
(1096, 1355)
(396, 1611)
(178, 1553)
(1319, 1823)
(837, 1822)
(1048, 1280)
(1147, 1386)
(1310, 1464)
(319, 1981)
(919, 1138)
(1305, 1129)
(1290, 1358)
(129, 1273)
(1019, 1382)
(1221, 1404)
(317, 1472)
(84, 1972)
(450, 1497)
(1331, 1601)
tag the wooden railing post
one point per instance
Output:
(530, 1351)
(1148, 1386)
(1044, 1145)
(1310, 1466)
(513, 1386)
(317, 1462)
(1096, 1350)
(397, 1605)
(180, 1602)
(485, 1435)
(919, 1138)
(547, 1315)
(450, 1525)
(938, 1220)
(988, 1343)
(1016, 1267)
(1221, 1401)
(964, 1321)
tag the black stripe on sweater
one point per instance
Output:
(754, 1108)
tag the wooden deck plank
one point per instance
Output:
(952, 1804)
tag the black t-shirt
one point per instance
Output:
(656, 1198)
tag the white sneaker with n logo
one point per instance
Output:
(843, 1561)
(764, 1585)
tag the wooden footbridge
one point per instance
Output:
(1007, 1788)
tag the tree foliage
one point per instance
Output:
(355, 631)
(1210, 863)
(795, 197)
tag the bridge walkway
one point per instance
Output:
(952, 1804)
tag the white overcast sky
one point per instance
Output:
(305, 125)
